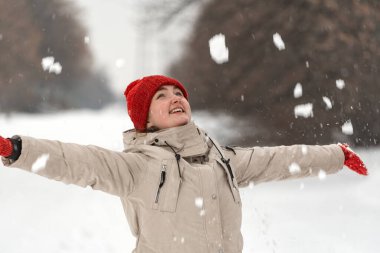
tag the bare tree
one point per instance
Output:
(325, 41)
(35, 29)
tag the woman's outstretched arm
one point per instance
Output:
(261, 164)
(102, 169)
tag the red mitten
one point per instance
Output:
(353, 161)
(6, 147)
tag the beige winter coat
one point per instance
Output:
(190, 206)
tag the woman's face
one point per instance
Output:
(168, 108)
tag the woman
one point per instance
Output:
(178, 186)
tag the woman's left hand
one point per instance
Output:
(353, 161)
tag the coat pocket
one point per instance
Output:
(167, 187)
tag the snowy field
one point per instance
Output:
(338, 214)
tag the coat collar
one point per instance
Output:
(188, 140)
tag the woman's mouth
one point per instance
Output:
(176, 110)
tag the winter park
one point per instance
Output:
(258, 74)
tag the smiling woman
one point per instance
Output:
(169, 108)
(176, 178)
(157, 102)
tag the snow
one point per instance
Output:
(87, 40)
(40, 163)
(48, 64)
(199, 202)
(278, 42)
(340, 84)
(294, 168)
(347, 128)
(327, 102)
(218, 49)
(297, 92)
(340, 214)
(322, 174)
(304, 149)
(304, 110)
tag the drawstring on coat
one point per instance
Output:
(226, 162)
(177, 157)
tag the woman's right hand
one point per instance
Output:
(6, 147)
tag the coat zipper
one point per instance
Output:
(162, 181)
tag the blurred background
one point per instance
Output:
(63, 55)
(258, 72)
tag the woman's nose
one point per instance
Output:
(175, 99)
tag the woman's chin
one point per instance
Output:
(181, 122)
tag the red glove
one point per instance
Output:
(353, 161)
(6, 147)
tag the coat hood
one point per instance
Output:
(188, 140)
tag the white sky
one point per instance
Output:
(112, 37)
(124, 50)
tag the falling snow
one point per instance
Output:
(340, 84)
(304, 149)
(294, 168)
(199, 202)
(278, 42)
(322, 174)
(304, 110)
(327, 102)
(40, 163)
(347, 128)
(297, 90)
(218, 49)
(87, 40)
(48, 64)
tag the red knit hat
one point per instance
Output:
(139, 94)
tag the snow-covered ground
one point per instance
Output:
(338, 214)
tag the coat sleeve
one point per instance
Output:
(262, 164)
(102, 169)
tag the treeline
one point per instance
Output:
(325, 41)
(30, 31)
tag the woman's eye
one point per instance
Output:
(161, 95)
(178, 93)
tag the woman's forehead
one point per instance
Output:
(168, 87)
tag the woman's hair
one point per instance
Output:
(152, 129)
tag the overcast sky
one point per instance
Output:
(125, 50)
